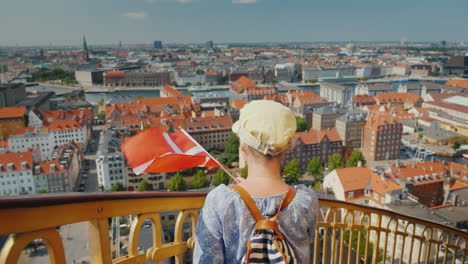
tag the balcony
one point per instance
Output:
(346, 233)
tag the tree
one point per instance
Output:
(220, 177)
(144, 186)
(117, 187)
(335, 161)
(177, 183)
(301, 124)
(245, 172)
(42, 191)
(456, 144)
(199, 180)
(355, 158)
(314, 167)
(232, 148)
(292, 171)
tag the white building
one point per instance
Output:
(313, 73)
(287, 71)
(336, 93)
(192, 78)
(110, 166)
(16, 175)
(52, 177)
(27, 138)
(35, 120)
(370, 71)
(66, 131)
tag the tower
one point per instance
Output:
(85, 48)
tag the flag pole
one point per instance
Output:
(222, 166)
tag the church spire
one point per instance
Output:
(85, 45)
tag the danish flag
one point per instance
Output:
(154, 150)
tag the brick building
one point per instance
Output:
(408, 100)
(313, 143)
(382, 137)
(11, 118)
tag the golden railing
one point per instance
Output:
(346, 233)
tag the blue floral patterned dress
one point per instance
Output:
(225, 224)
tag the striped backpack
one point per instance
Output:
(268, 244)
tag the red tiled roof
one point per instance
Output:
(314, 136)
(422, 169)
(238, 104)
(59, 125)
(202, 124)
(363, 98)
(358, 178)
(12, 112)
(375, 121)
(393, 98)
(458, 82)
(45, 167)
(22, 130)
(115, 73)
(454, 107)
(172, 91)
(16, 159)
(242, 83)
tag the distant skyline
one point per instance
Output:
(64, 22)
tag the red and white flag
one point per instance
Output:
(154, 150)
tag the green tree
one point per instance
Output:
(144, 186)
(314, 167)
(177, 183)
(221, 177)
(335, 161)
(199, 180)
(117, 187)
(355, 158)
(456, 144)
(232, 148)
(292, 171)
(318, 185)
(42, 191)
(301, 124)
(245, 172)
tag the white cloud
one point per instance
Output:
(244, 1)
(135, 15)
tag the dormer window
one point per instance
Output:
(24, 165)
(37, 169)
(53, 167)
(11, 166)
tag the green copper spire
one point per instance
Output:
(85, 45)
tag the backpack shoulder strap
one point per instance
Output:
(287, 199)
(249, 202)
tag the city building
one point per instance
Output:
(51, 176)
(350, 127)
(336, 93)
(373, 89)
(424, 180)
(169, 91)
(209, 44)
(408, 100)
(450, 108)
(90, 77)
(313, 143)
(363, 100)
(158, 45)
(27, 138)
(16, 175)
(457, 65)
(11, 94)
(381, 137)
(11, 118)
(287, 72)
(314, 73)
(211, 132)
(363, 186)
(241, 84)
(66, 131)
(110, 165)
(325, 117)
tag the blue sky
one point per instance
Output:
(31, 22)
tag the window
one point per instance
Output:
(350, 194)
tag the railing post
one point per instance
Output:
(99, 242)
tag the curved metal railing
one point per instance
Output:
(346, 233)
